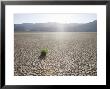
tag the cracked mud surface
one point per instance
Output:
(69, 54)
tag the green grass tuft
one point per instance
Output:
(45, 50)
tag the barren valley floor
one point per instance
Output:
(69, 54)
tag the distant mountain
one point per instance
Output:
(56, 27)
(88, 27)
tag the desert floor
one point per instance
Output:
(69, 54)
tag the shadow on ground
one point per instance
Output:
(42, 57)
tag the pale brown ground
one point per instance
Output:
(69, 54)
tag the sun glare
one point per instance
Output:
(60, 19)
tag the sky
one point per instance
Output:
(57, 18)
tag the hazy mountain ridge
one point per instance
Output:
(56, 27)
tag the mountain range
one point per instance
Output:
(56, 27)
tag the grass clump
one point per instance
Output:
(44, 52)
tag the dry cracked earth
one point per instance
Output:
(69, 54)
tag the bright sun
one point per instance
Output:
(60, 18)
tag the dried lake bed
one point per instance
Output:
(69, 54)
